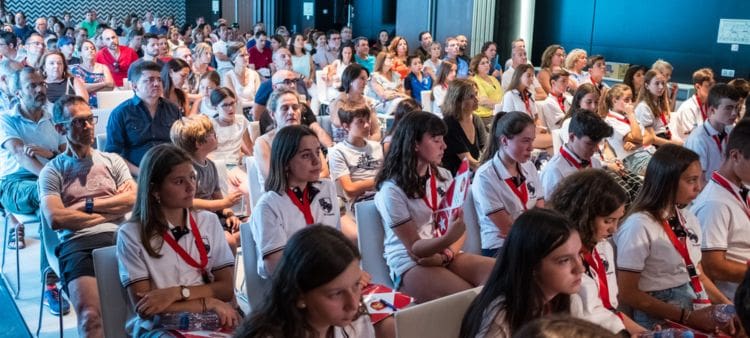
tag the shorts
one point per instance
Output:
(75, 258)
(680, 296)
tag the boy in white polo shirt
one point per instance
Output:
(710, 138)
(587, 130)
(694, 111)
(723, 211)
(557, 103)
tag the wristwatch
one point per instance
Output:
(89, 206)
(184, 292)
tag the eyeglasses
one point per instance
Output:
(81, 122)
(228, 104)
(35, 85)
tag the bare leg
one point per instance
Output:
(85, 298)
(386, 328)
(349, 227)
(426, 283)
(474, 269)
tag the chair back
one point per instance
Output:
(426, 97)
(473, 242)
(253, 181)
(112, 99)
(113, 298)
(370, 237)
(437, 318)
(256, 287)
(103, 116)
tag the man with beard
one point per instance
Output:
(138, 124)
(117, 58)
(28, 140)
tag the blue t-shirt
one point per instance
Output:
(368, 63)
(411, 82)
(131, 131)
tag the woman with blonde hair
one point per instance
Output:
(575, 62)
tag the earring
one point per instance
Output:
(301, 305)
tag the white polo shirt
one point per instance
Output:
(492, 194)
(551, 112)
(643, 246)
(725, 225)
(276, 218)
(647, 119)
(512, 101)
(14, 125)
(701, 141)
(396, 208)
(621, 129)
(593, 309)
(559, 167)
(170, 269)
(688, 117)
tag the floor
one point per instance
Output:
(28, 300)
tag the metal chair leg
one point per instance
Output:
(5, 241)
(18, 267)
(41, 303)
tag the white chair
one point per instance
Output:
(557, 140)
(101, 141)
(473, 242)
(426, 97)
(326, 124)
(253, 181)
(256, 287)
(49, 241)
(437, 318)
(26, 220)
(370, 239)
(112, 99)
(254, 129)
(101, 125)
(113, 298)
(673, 126)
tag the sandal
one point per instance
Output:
(12, 234)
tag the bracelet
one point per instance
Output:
(203, 302)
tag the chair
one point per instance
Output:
(101, 125)
(673, 126)
(473, 242)
(557, 140)
(49, 241)
(253, 181)
(426, 97)
(437, 318)
(223, 176)
(254, 129)
(326, 124)
(25, 219)
(101, 141)
(370, 239)
(112, 99)
(113, 298)
(256, 287)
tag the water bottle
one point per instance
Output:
(668, 333)
(722, 314)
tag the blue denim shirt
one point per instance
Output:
(131, 131)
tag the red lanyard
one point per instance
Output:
(719, 142)
(595, 261)
(184, 255)
(663, 118)
(724, 183)
(433, 194)
(303, 206)
(681, 248)
(623, 119)
(702, 107)
(568, 157)
(526, 97)
(560, 101)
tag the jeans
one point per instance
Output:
(681, 296)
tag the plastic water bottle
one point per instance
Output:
(723, 314)
(668, 333)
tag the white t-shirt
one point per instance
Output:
(688, 117)
(643, 246)
(620, 128)
(395, 209)
(245, 92)
(647, 119)
(512, 101)
(438, 92)
(725, 226)
(492, 194)
(276, 218)
(359, 163)
(559, 167)
(229, 139)
(551, 112)
(701, 141)
(593, 308)
(170, 269)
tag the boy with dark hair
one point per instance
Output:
(694, 111)
(417, 80)
(724, 214)
(587, 130)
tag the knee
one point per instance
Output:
(90, 318)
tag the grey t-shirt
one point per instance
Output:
(207, 180)
(74, 180)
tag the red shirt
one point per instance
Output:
(126, 58)
(260, 59)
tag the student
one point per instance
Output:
(553, 108)
(634, 77)
(446, 74)
(433, 63)
(585, 97)
(659, 239)
(197, 137)
(355, 162)
(209, 81)
(520, 97)
(402, 108)
(594, 203)
(617, 110)
(742, 301)
(520, 290)
(417, 80)
(652, 111)
(295, 196)
(693, 112)
(506, 184)
(710, 139)
(666, 69)
(587, 131)
(597, 69)
(172, 259)
(316, 291)
(724, 214)
(423, 263)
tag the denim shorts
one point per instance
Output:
(681, 296)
